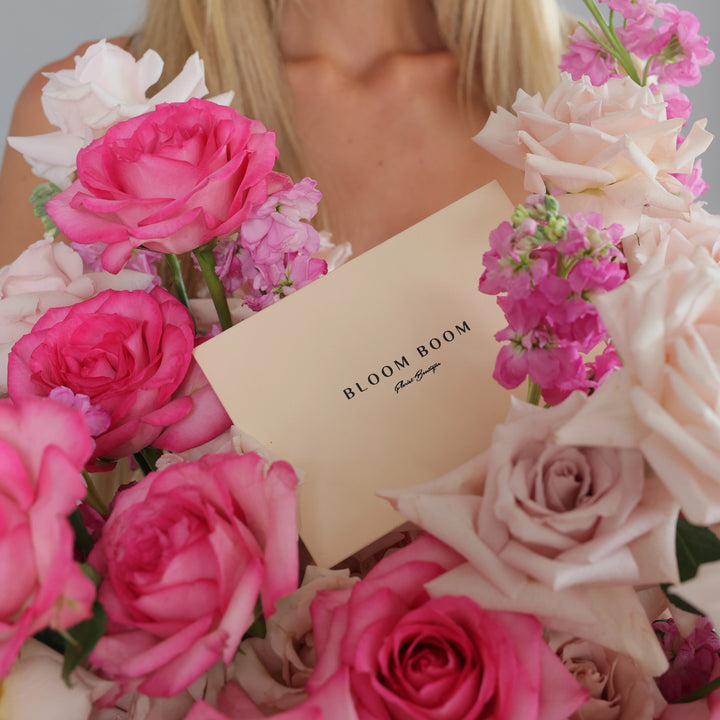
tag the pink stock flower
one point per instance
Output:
(170, 180)
(547, 268)
(144, 261)
(405, 654)
(43, 447)
(693, 659)
(184, 556)
(585, 57)
(127, 352)
(680, 51)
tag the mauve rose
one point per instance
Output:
(184, 556)
(170, 180)
(562, 515)
(665, 400)
(273, 670)
(43, 447)
(126, 351)
(411, 656)
(49, 274)
(618, 689)
(610, 149)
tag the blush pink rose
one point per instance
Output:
(609, 149)
(43, 448)
(126, 351)
(411, 656)
(170, 180)
(184, 556)
(665, 400)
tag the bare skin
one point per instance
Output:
(375, 101)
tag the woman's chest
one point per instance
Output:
(391, 148)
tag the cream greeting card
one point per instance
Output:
(378, 375)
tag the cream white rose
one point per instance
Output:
(35, 688)
(610, 148)
(665, 324)
(106, 86)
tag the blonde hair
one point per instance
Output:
(501, 45)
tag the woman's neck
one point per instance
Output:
(356, 34)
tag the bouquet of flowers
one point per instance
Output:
(570, 570)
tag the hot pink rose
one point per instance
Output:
(43, 447)
(126, 351)
(169, 180)
(206, 421)
(184, 556)
(409, 656)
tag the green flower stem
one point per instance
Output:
(92, 498)
(534, 392)
(206, 260)
(145, 462)
(701, 692)
(173, 262)
(617, 51)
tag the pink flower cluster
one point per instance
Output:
(270, 257)
(693, 659)
(672, 52)
(546, 268)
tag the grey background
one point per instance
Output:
(41, 31)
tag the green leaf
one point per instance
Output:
(40, 195)
(82, 639)
(678, 601)
(83, 541)
(694, 546)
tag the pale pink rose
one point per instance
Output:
(618, 689)
(609, 148)
(673, 238)
(273, 670)
(127, 352)
(35, 688)
(665, 324)
(43, 448)
(49, 274)
(184, 556)
(562, 515)
(170, 180)
(407, 655)
(107, 85)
